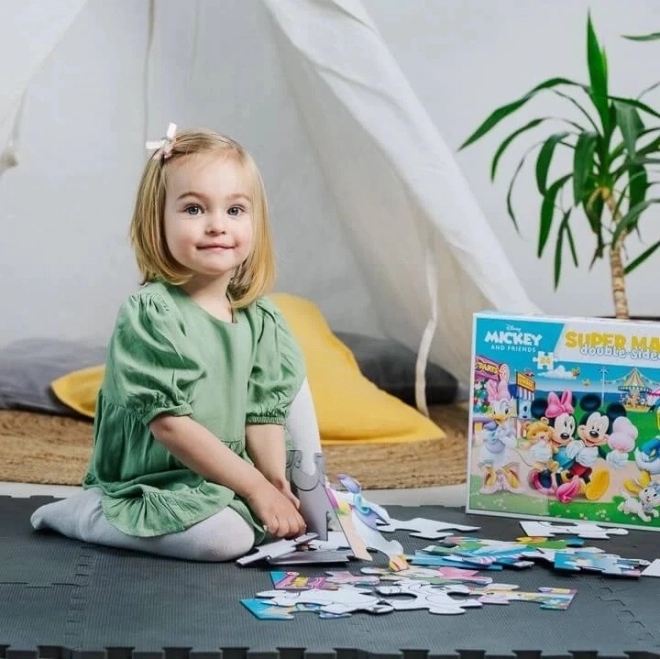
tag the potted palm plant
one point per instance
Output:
(615, 145)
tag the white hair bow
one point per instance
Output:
(163, 147)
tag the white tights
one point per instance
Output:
(222, 537)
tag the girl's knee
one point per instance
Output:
(220, 548)
(223, 537)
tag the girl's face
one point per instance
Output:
(208, 214)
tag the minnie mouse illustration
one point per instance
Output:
(557, 412)
(498, 437)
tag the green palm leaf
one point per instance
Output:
(545, 158)
(505, 144)
(548, 211)
(583, 162)
(597, 64)
(509, 192)
(630, 124)
(641, 258)
(654, 36)
(627, 222)
(564, 231)
(504, 111)
(636, 104)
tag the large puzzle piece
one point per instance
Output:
(419, 595)
(357, 514)
(264, 610)
(579, 529)
(427, 529)
(341, 601)
(275, 549)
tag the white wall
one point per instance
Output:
(65, 263)
(464, 58)
(64, 213)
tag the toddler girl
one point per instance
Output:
(204, 384)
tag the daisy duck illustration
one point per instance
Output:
(498, 437)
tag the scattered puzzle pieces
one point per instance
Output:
(444, 578)
(549, 598)
(438, 576)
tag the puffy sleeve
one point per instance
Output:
(149, 370)
(278, 370)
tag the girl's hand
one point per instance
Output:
(284, 487)
(277, 511)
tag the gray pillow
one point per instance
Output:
(391, 366)
(27, 368)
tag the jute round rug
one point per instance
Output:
(41, 448)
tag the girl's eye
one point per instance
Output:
(235, 211)
(193, 209)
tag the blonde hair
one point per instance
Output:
(147, 233)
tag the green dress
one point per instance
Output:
(167, 355)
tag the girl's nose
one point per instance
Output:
(216, 224)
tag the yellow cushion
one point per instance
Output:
(78, 390)
(348, 406)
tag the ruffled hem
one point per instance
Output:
(156, 512)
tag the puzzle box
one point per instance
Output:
(565, 419)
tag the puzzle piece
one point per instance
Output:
(610, 564)
(336, 541)
(545, 543)
(265, 611)
(312, 557)
(544, 360)
(653, 569)
(275, 549)
(512, 554)
(422, 596)
(454, 560)
(548, 555)
(433, 576)
(341, 601)
(357, 514)
(580, 529)
(426, 529)
(549, 598)
(343, 577)
(297, 581)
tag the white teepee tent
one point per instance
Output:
(373, 219)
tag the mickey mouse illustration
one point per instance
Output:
(593, 434)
